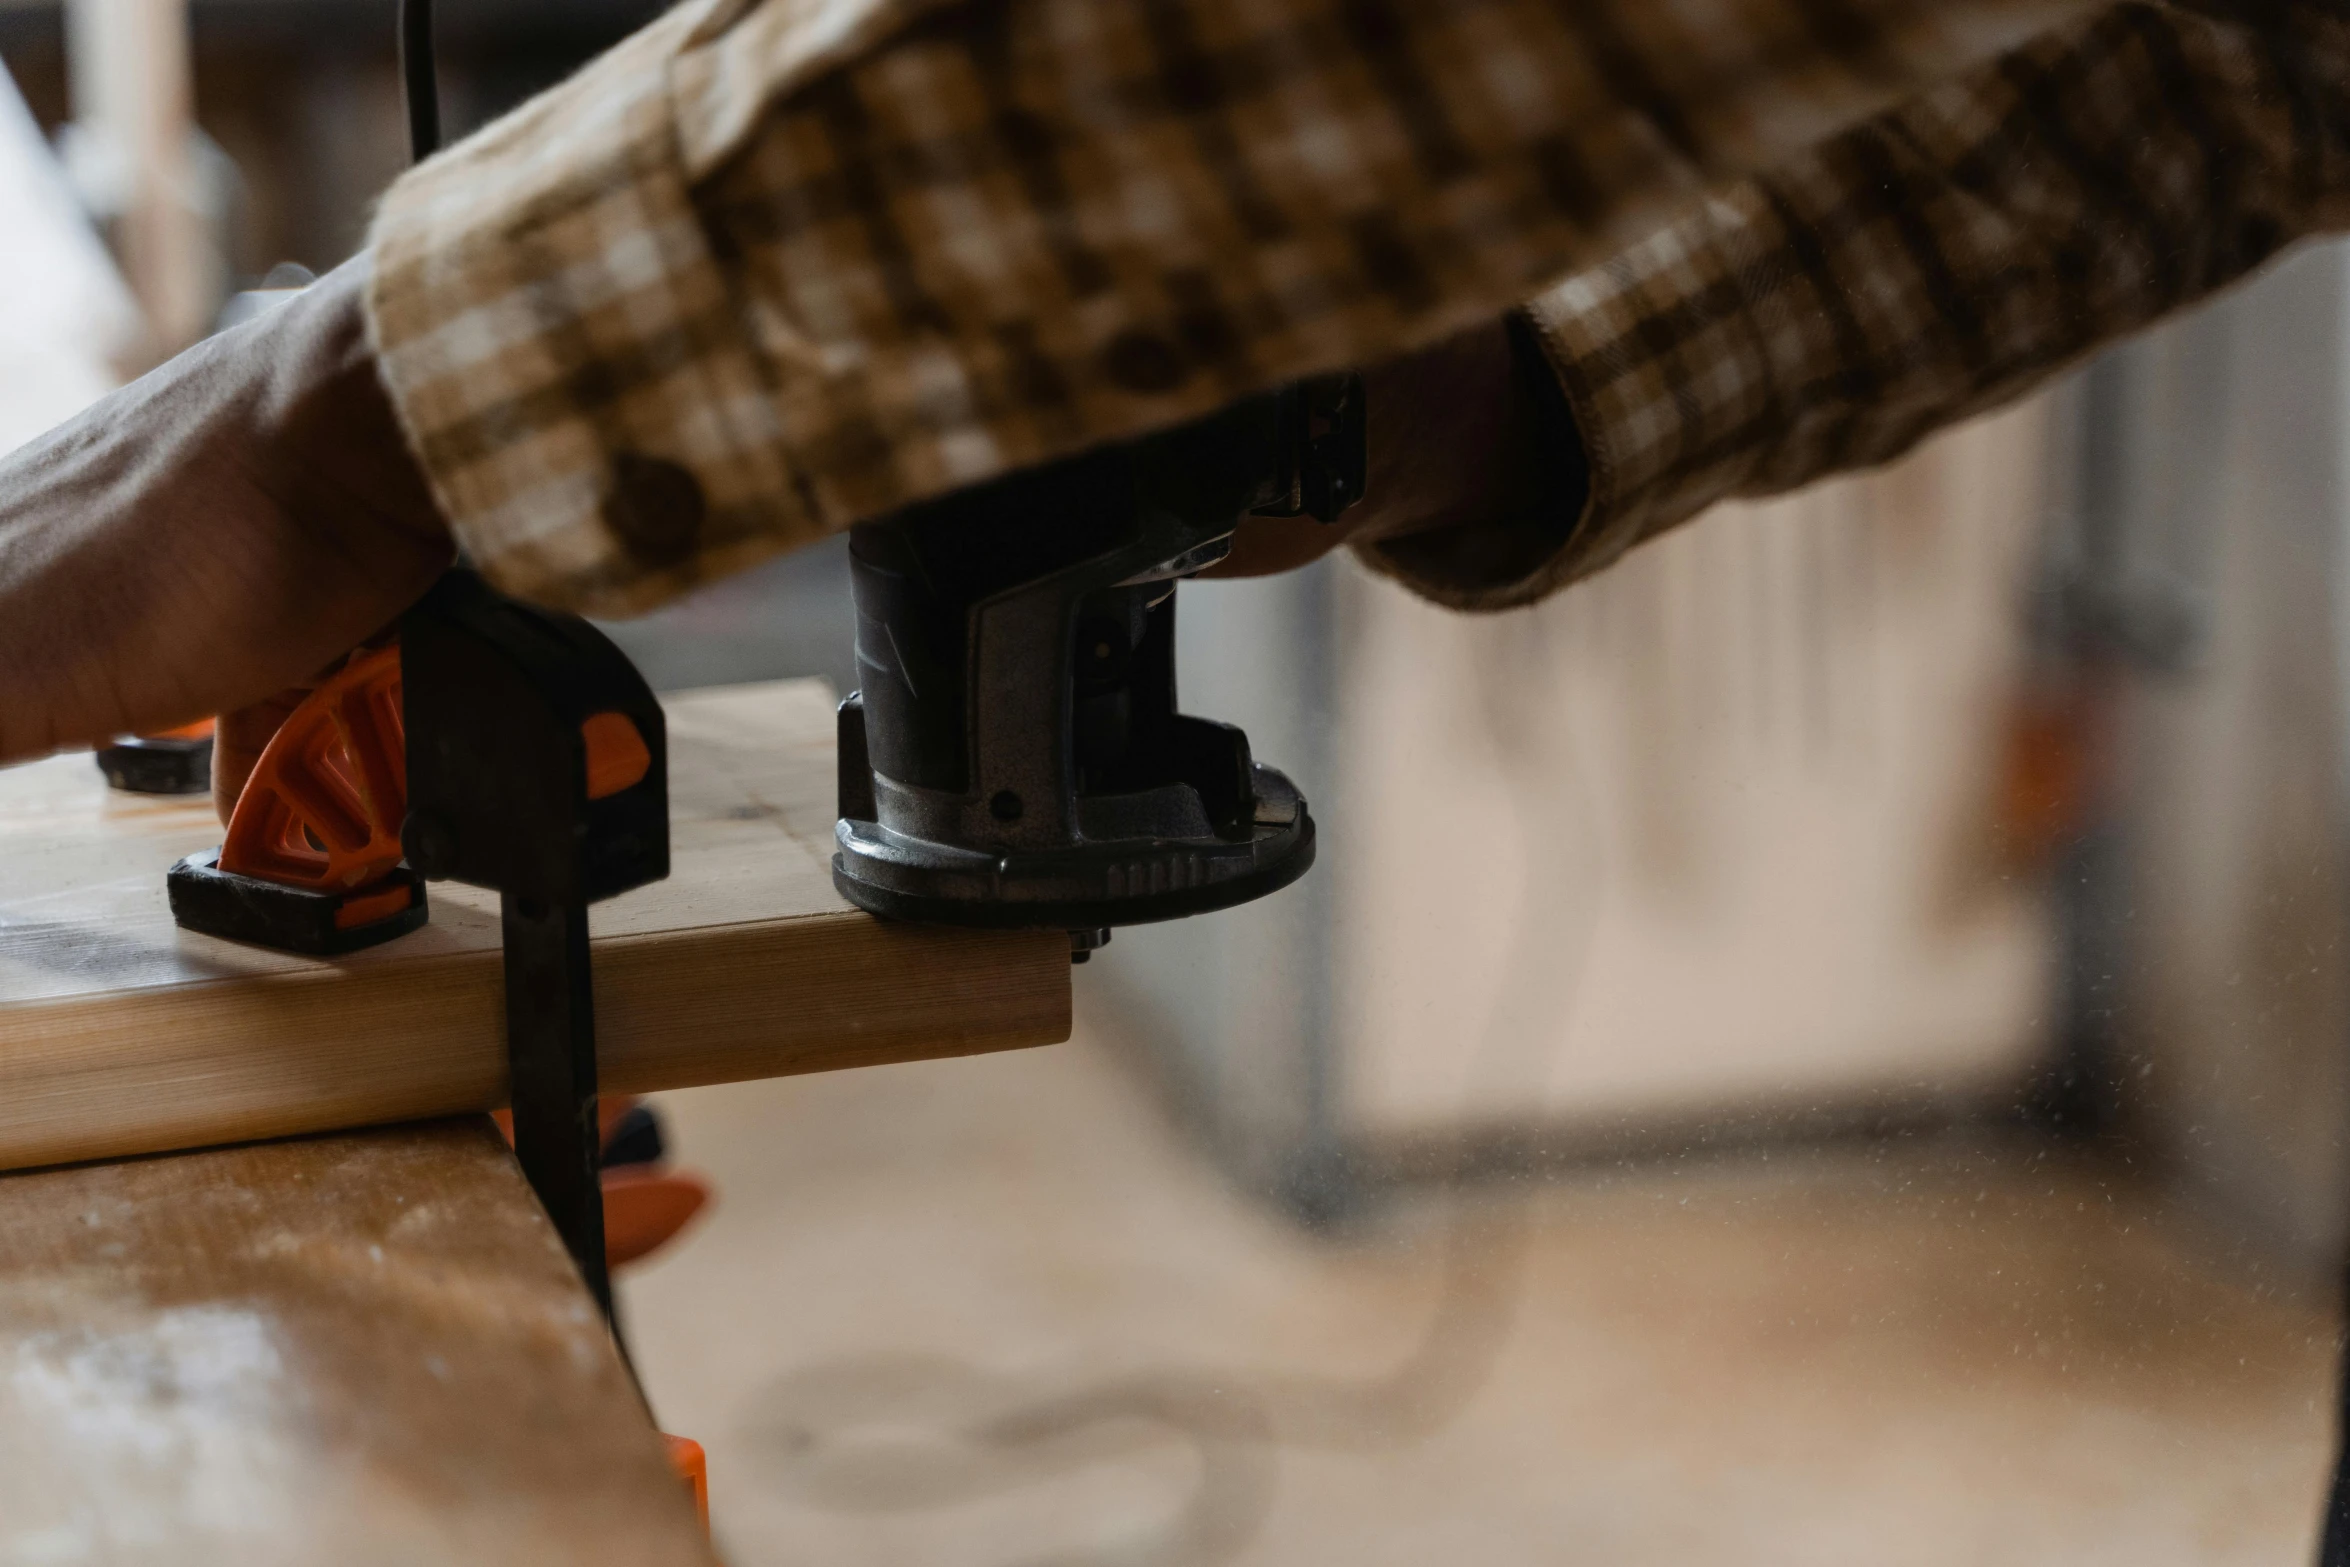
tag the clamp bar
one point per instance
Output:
(551, 1058)
(536, 766)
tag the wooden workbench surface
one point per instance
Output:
(368, 1347)
(359, 1349)
(121, 1033)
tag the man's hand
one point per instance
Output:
(1453, 442)
(207, 539)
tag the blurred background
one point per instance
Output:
(1829, 1042)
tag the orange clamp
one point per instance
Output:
(685, 1457)
(323, 807)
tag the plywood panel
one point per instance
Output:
(120, 1033)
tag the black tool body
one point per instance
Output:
(1015, 757)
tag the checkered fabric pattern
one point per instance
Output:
(775, 265)
(1936, 260)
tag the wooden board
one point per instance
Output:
(120, 1033)
(362, 1348)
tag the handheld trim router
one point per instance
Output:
(1015, 757)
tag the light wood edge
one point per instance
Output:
(191, 1066)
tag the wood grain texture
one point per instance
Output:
(121, 1034)
(363, 1348)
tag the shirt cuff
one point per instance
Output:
(1659, 436)
(1542, 543)
(560, 249)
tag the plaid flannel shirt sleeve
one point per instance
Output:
(775, 265)
(1932, 262)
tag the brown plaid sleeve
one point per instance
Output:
(1936, 260)
(775, 265)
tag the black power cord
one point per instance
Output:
(419, 82)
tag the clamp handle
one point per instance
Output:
(537, 757)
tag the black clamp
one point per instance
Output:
(537, 765)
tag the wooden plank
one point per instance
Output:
(121, 1034)
(368, 1347)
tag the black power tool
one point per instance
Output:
(1015, 757)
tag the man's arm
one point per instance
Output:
(770, 268)
(209, 535)
(1928, 264)
(742, 282)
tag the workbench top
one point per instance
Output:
(354, 1349)
(368, 1346)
